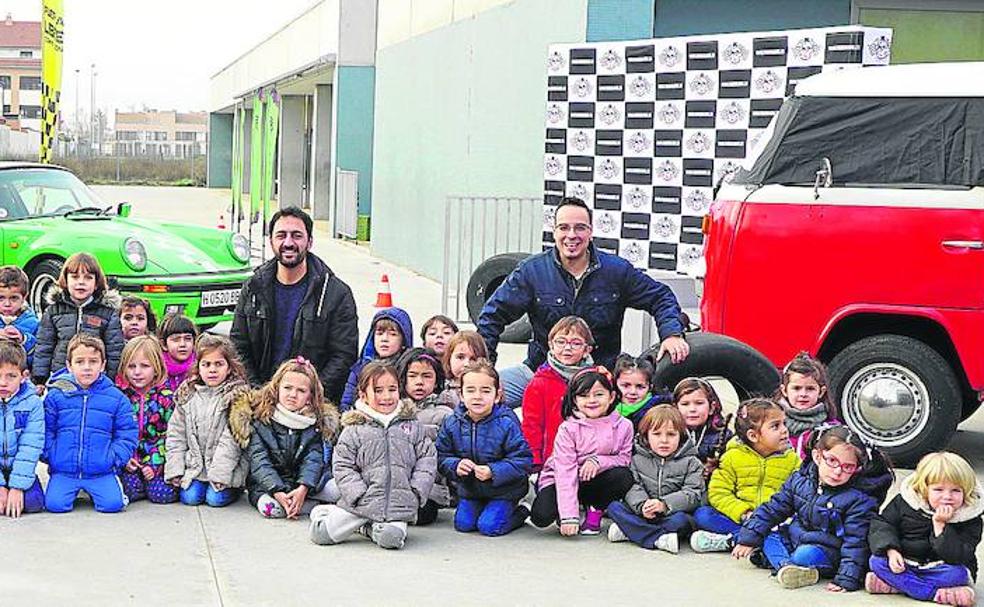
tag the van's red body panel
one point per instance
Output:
(780, 276)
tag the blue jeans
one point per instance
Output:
(492, 518)
(106, 493)
(921, 583)
(200, 492)
(644, 532)
(711, 519)
(804, 555)
(514, 381)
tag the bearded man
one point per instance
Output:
(294, 305)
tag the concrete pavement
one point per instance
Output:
(179, 555)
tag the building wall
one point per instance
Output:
(460, 110)
(619, 20)
(355, 90)
(687, 17)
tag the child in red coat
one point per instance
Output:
(570, 343)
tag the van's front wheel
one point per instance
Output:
(898, 393)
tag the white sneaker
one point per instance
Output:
(705, 541)
(615, 534)
(794, 576)
(668, 542)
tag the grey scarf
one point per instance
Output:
(799, 421)
(568, 371)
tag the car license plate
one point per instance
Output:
(216, 299)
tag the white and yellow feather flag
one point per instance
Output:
(52, 45)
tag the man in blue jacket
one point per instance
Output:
(576, 278)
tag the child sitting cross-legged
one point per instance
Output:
(924, 543)
(482, 451)
(669, 484)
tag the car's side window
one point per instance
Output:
(42, 200)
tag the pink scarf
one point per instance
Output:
(177, 372)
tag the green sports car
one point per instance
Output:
(47, 213)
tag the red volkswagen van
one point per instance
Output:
(857, 234)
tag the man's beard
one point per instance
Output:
(298, 259)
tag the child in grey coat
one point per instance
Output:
(384, 465)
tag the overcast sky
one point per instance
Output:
(158, 53)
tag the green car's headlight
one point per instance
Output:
(134, 254)
(239, 247)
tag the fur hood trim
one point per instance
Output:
(962, 514)
(110, 297)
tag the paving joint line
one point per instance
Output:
(208, 551)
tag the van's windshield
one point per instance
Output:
(886, 141)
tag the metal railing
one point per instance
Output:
(479, 227)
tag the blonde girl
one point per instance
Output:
(464, 348)
(205, 460)
(287, 436)
(923, 544)
(141, 379)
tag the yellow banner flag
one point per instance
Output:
(52, 45)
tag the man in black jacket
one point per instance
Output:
(294, 305)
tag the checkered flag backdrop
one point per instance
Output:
(642, 130)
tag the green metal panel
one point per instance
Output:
(354, 95)
(930, 35)
(460, 110)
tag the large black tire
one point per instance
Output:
(871, 374)
(482, 284)
(751, 373)
(42, 278)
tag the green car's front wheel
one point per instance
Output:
(44, 278)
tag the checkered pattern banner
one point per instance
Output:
(49, 120)
(642, 130)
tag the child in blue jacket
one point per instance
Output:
(90, 432)
(482, 451)
(18, 322)
(829, 512)
(21, 434)
(390, 335)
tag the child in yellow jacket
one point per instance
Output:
(755, 465)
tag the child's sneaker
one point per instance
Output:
(270, 508)
(794, 576)
(705, 541)
(592, 522)
(388, 535)
(668, 542)
(960, 596)
(615, 533)
(875, 585)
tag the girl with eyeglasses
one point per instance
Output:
(570, 351)
(827, 518)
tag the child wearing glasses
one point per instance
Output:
(570, 343)
(827, 513)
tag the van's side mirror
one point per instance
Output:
(825, 177)
(123, 209)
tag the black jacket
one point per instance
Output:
(326, 331)
(63, 318)
(906, 524)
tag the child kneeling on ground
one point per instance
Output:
(203, 457)
(22, 436)
(383, 463)
(923, 543)
(481, 449)
(90, 432)
(287, 437)
(669, 484)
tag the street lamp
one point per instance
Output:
(92, 120)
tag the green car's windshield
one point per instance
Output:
(39, 192)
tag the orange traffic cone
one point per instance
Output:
(384, 298)
(221, 225)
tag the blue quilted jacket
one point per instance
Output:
(21, 437)
(836, 519)
(496, 441)
(88, 432)
(27, 323)
(368, 354)
(541, 287)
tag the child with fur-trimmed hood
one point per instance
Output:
(383, 463)
(287, 436)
